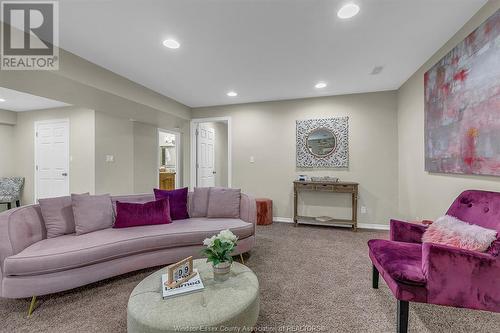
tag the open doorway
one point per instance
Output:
(211, 152)
(169, 159)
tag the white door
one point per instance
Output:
(206, 152)
(51, 158)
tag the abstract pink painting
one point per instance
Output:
(462, 106)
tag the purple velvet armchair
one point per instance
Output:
(439, 274)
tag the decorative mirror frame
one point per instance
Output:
(317, 155)
(338, 158)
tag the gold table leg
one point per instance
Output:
(241, 258)
(32, 306)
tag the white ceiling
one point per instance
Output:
(263, 49)
(19, 101)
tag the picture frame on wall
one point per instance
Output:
(322, 143)
(462, 110)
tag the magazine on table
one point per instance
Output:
(192, 285)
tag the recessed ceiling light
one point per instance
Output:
(348, 11)
(232, 94)
(2, 100)
(171, 43)
(320, 85)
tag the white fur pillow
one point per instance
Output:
(449, 230)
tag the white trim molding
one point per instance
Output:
(192, 167)
(372, 226)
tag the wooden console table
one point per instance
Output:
(326, 187)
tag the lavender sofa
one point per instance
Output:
(439, 274)
(32, 265)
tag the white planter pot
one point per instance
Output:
(221, 271)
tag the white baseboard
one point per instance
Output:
(282, 219)
(372, 226)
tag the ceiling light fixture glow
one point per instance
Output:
(232, 94)
(171, 43)
(348, 11)
(2, 100)
(320, 85)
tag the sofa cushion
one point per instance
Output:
(58, 216)
(133, 198)
(140, 214)
(224, 202)
(199, 202)
(92, 212)
(178, 202)
(402, 261)
(70, 251)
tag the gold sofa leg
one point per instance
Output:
(32, 306)
(241, 257)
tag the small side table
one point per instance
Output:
(264, 211)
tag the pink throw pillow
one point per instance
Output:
(449, 230)
(224, 202)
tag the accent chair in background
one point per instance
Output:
(439, 274)
(10, 190)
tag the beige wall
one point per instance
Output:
(8, 117)
(84, 84)
(7, 140)
(145, 158)
(81, 173)
(267, 132)
(421, 194)
(93, 135)
(114, 137)
(220, 158)
(7, 156)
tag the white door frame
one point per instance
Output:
(178, 162)
(194, 125)
(35, 164)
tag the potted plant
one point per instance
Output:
(218, 252)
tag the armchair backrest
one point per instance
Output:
(477, 207)
(11, 185)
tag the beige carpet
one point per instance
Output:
(312, 279)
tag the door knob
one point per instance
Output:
(213, 172)
(64, 174)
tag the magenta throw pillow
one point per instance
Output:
(178, 200)
(139, 214)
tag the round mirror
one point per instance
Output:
(321, 142)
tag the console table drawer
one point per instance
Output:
(344, 188)
(324, 187)
(305, 187)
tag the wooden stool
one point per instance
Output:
(264, 211)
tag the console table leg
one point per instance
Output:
(355, 210)
(295, 222)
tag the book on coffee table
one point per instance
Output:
(191, 286)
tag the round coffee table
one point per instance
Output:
(218, 308)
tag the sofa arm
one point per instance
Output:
(461, 278)
(406, 232)
(19, 228)
(248, 209)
